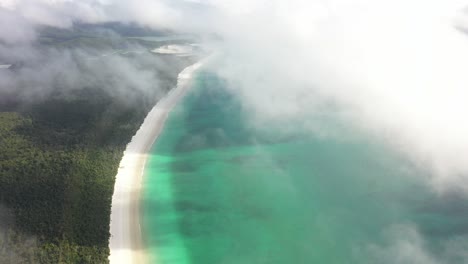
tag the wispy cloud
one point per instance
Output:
(394, 69)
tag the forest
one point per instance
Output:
(58, 160)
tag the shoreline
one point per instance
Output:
(126, 240)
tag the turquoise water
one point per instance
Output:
(218, 190)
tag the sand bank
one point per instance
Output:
(174, 49)
(126, 245)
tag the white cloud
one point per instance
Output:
(404, 244)
(396, 67)
(393, 68)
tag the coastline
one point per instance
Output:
(126, 241)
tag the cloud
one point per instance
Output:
(44, 68)
(22, 32)
(392, 68)
(61, 72)
(404, 244)
(25, 15)
(16, 247)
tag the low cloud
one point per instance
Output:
(394, 69)
(403, 244)
(62, 72)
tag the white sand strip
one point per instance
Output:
(126, 245)
(174, 49)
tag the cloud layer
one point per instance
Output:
(393, 68)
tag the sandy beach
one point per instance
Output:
(126, 244)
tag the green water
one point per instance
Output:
(218, 190)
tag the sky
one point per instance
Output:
(395, 69)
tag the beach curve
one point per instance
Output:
(126, 243)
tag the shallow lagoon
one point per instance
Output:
(218, 190)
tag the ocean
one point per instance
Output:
(218, 189)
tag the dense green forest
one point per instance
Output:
(58, 160)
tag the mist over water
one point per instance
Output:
(220, 190)
(341, 136)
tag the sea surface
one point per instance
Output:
(218, 189)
